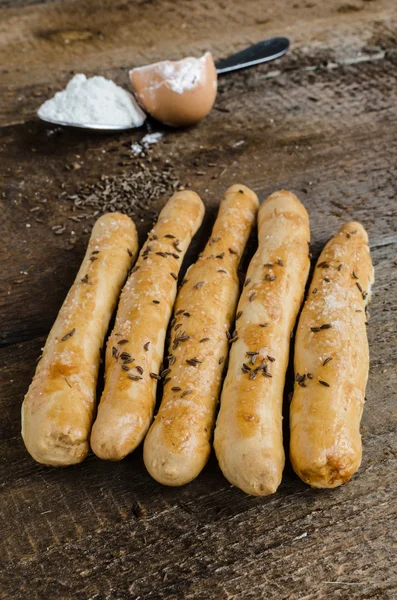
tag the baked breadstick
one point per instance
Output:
(177, 445)
(136, 346)
(248, 434)
(58, 409)
(331, 363)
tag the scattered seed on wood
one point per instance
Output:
(174, 276)
(68, 335)
(238, 315)
(139, 369)
(324, 383)
(199, 285)
(176, 389)
(185, 393)
(327, 360)
(122, 342)
(247, 281)
(204, 340)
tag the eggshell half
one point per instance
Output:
(177, 93)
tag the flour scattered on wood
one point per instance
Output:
(148, 140)
(96, 101)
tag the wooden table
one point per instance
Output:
(320, 122)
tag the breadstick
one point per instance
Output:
(248, 434)
(331, 363)
(177, 445)
(58, 408)
(136, 346)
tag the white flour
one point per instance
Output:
(95, 100)
(178, 76)
(146, 141)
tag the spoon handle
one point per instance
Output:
(253, 55)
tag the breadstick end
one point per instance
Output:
(239, 188)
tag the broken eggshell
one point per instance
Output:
(177, 93)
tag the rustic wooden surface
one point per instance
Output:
(321, 122)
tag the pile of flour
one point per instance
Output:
(96, 101)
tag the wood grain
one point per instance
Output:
(320, 122)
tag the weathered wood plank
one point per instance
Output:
(321, 122)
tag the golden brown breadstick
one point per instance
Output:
(248, 434)
(331, 363)
(58, 408)
(136, 346)
(177, 445)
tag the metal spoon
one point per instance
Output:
(256, 54)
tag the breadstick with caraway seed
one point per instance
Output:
(136, 346)
(58, 408)
(178, 443)
(332, 362)
(248, 434)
